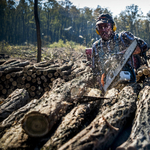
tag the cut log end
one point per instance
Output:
(35, 124)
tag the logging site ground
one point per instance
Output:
(56, 104)
(57, 50)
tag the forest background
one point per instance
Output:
(60, 20)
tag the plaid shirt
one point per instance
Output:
(118, 42)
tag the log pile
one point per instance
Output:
(55, 105)
(37, 78)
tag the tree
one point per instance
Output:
(37, 30)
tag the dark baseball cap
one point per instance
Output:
(104, 18)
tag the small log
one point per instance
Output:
(87, 69)
(77, 70)
(1, 73)
(146, 71)
(13, 102)
(33, 80)
(65, 67)
(8, 76)
(38, 72)
(139, 73)
(14, 83)
(66, 72)
(29, 67)
(50, 75)
(3, 78)
(14, 64)
(13, 69)
(8, 61)
(2, 62)
(29, 72)
(45, 73)
(44, 64)
(142, 70)
(1, 87)
(103, 130)
(56, 74)
(139, 137)
(29, 78)
(4, 91)
(33, 75)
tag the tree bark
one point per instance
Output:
(139, 137)
(54, 106)
(37, 30)
(79, 117)
(15, 100)
(102, 131)
(51, 107)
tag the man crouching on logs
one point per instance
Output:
(111, 43)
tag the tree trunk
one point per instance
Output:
(37, 30)
(53, 107)
(79, 117)
(102, 131)
(140, 134)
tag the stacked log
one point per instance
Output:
(36, 78)
(47, 113)
(62, 112)
(10, 71)
(142, 72)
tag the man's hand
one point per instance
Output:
(137, 51)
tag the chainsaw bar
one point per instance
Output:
(113, 72)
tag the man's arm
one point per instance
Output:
(128, 37)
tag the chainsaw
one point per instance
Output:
(117, 62)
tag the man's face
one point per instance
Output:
(105, 30)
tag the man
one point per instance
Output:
(111, 42)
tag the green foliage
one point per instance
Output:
(68, 45)
(5, 48)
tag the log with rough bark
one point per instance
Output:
(16, 63)
(140, 135)
(16, 117)
(15, 100)
(8, 61)
(52, 108)
(65, 66)
(79, 69)
(74, 121)
(102, 131)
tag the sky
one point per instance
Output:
(115, 6)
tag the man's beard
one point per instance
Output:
(106, 35)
